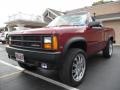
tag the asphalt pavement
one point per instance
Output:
(102, 74)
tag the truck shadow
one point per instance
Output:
(93, 63)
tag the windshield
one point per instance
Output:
(69, 20)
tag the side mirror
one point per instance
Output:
(95, 24)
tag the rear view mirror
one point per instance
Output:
(95, 24)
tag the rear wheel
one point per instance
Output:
(74, 67)
(107, 52)
(27, 67)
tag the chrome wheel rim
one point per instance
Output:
(78, 67)
(110, 49)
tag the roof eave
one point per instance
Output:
(109, 19)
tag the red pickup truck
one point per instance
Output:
(64, 45)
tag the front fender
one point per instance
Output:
(71, 41)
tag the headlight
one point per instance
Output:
(51, 43)
(48, 42)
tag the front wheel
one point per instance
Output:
(107, 52)
(74, 67)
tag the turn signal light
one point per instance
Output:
(55, 43)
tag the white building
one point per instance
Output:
(22, 21)
(51, 14)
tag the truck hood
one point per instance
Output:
(52, 30)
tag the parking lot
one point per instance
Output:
(102, 74)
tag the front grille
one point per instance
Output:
(26, 41)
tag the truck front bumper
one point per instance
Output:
(36, 58)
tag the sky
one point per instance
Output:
(37, 7)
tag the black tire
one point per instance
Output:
(66, 75)
(27, 67)
(3, 42)
(107, 52)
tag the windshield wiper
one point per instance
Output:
(69, 25)
(64, 25)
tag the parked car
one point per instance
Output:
(3, 37)
(0, 33)
(65, 45)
